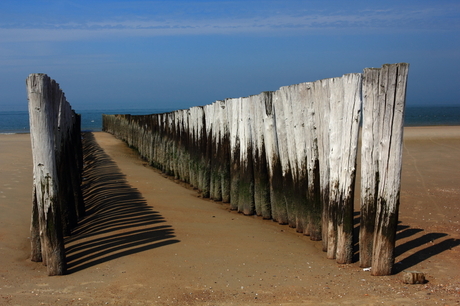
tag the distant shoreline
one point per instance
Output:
(17, 122)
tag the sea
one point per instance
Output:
(15, 122)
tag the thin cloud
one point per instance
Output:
(215, 21)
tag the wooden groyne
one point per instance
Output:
(291, 155)
(57, 164)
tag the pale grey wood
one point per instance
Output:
(43, 115)
(246, 169)
(369, 164)
(278, 208)
(235, 146)
(335, 142)
(347, 168)
(300, 134)
(314, 223)
(213, 118)
(321, 104)
(225, 152)
(286, 215)
(338, 123)
(287, 149)
(392, 98)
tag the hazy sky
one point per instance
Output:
(177, 54)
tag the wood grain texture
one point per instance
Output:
(384, 92)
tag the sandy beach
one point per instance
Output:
(148, 240)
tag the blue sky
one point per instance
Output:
(177, 54)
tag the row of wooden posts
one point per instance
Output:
(57, 166)
(290, 155)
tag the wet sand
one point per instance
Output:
(148, 240)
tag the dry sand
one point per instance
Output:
(147, 240)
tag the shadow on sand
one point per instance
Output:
(118, 220)
(420, 247)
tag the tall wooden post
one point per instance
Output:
(369, 165)
(384, 96)
(43, 114)
(321, 96)
(261, 176)
(235, 147)
(315, 207)
(275, 172)
(246, 203)
(349, 149)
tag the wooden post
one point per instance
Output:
(234, 126)
(261, 176)
(224, 152)
(287, 148)
(300, 136)
(284, 176)
(315, 207)
(43, 113)
(335, 141)
(275, 172)
(246, 203)
(391, 99)
(345, 108)
(213, 117)
(349, 149)
(369, 164)
(321, 107)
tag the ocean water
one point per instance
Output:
(426, 116)
(13, 122)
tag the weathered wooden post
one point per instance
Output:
(234, 127)
(260, 164)
(297, 129)
(315, 207)
(369, 164)
(213, 118)
(336, 106)
(185, 145)
(246, 203)
(224, 151)
(275, 172)
(286, 205)
(349, 149)
(282, 103)
(345, 108)
(43, 113)
(390, 84)
(321, 107)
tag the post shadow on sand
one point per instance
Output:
(403, 232)
(118, 220)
